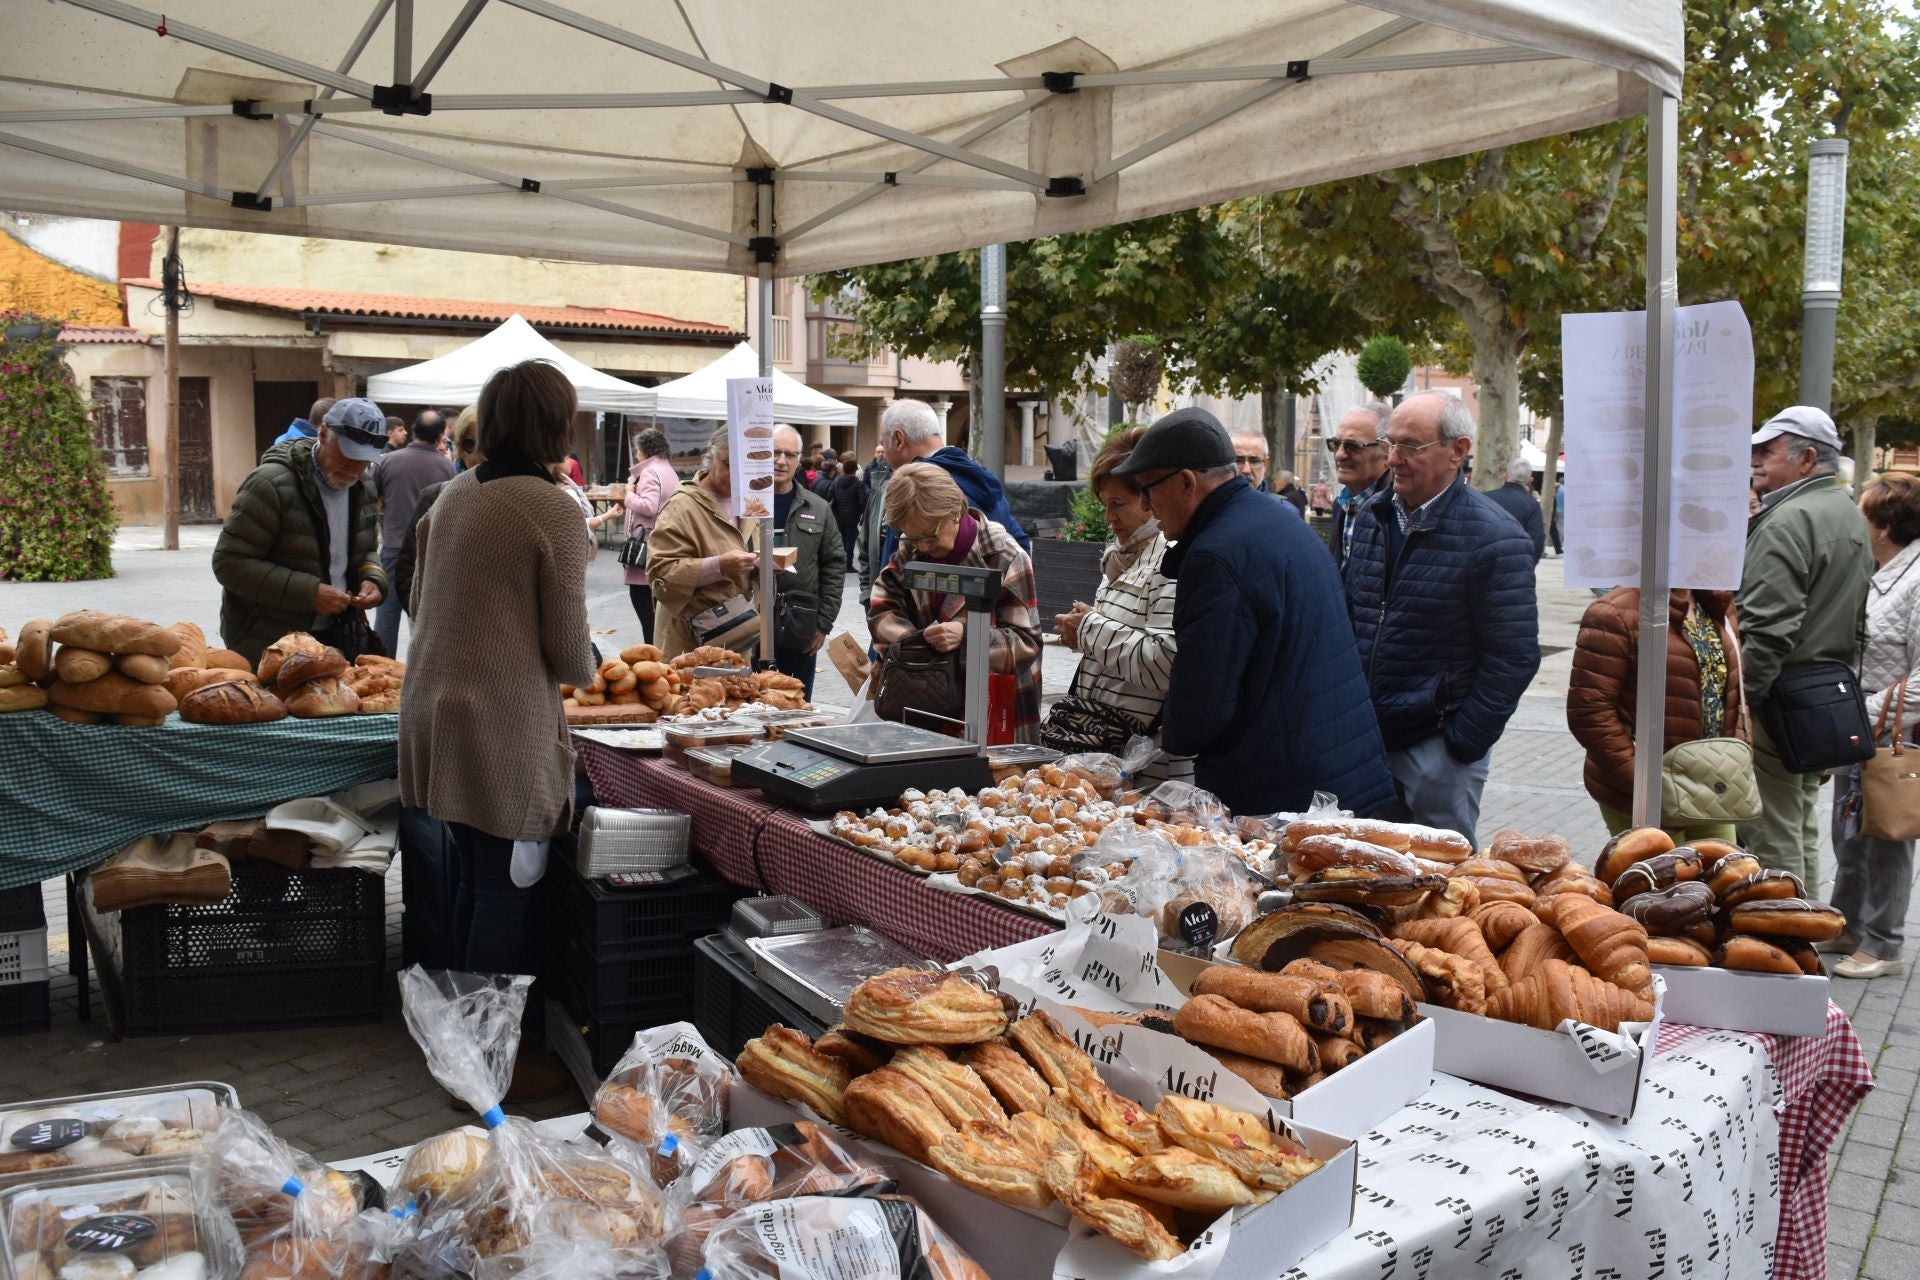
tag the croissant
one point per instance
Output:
(1462, 937)
(1537, 942)
(1451, 980)
(1612, 945)
(1557, 990)
(1501, 922)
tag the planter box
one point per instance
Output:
(1064, 572)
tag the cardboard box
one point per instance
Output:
(1357, 1097)
(1013, 1244)
(1583, 1070)
(1736, 1001)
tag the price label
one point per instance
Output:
(110, 1233)
(1199, 924)
(48, 1135)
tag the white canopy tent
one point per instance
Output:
(788, 139)
(457, 377)
(703, 394)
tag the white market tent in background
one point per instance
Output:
(457, 377)
(729, 135)
(703, 394)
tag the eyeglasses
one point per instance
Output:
(786, 453)
(1410, 450)
(1146, 490)
(929, 539)
(467, 444)
(1337, 445)
(1249, 460)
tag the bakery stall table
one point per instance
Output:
(74, 794)
(763, 846)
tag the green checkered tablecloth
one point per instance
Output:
(72, 794)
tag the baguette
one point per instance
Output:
(113, 633)
(115, 695)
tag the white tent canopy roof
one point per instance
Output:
(634, 131)
(457, 377)
(703, 394)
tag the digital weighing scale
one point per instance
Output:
(855, 766)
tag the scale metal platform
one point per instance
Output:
(856, 766)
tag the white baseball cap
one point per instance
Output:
(1799, 420)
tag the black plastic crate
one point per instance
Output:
(25, 1007)
(732, 1005)
(639, 919)
(608, 1039)
(247, 998)
(619, 984)
(21, 910)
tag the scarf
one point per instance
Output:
(1117, 559)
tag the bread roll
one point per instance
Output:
(22, 697)
(320, 698)
(77, 666)
(113, 633)
(235, 700)
(193, 646)
(143, 667)
(34, 654)
(227, 660)
(114, 695)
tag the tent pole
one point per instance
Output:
(763, 306)
(1663, 135)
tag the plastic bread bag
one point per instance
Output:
(752, 1166)
(1123, 865)
(667, 1095)
(295, 1216)
(1193, 894)
(819, 1238)
(1104, 773)
(1183, 804)
(536, 1205)
(1139, 753)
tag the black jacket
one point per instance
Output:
(849, 499)
(1518, 502)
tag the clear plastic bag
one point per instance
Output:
(821, 1238)
(1193, 894)
(667, 1095)
(1104, 773)
(468, 1026)
(294, 1215)
(1183, 804)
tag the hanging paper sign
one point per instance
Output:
(750, 446)
(1604, 358)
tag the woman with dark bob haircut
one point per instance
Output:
(1873, 878)
(500, 581)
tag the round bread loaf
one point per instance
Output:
(304, 666)
(234, 700)
(276, 653)
(185, 680)
(324, 697)
(34, 654)
(114, 695)
(113, 633)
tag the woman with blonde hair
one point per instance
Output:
(936, 524)
(697, 557)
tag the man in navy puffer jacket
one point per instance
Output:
(1440, 582)
(1266, 691)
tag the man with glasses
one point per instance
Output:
(1250, 460)
(1266, 692)
(399, 479)
(1359, 449)
(1440, 581)
(809, 595)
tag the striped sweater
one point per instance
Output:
(1127, 649)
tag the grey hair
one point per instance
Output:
(1826, 458)
(1456, 420)
(1519, 471)
(716, 449)
(1218, 475)
(914, 419)
(1380, 411)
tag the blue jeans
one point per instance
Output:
(386, 619)
(490, 916)
(1435, 789)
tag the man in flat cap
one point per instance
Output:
(1267, 693)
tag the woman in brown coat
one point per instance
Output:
(696, 554)
(1703, 691)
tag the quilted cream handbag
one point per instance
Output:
(1711, 780)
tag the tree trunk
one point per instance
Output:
(1551, 480)
(1496, 368)
(1270, 417)
(1863, 445)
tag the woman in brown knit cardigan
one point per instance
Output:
(1703, 691)
(500, 623)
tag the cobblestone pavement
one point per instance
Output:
(351, 1090)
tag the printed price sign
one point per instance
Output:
(750, 447)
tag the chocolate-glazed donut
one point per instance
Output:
(1657, 872)
(1671, 910)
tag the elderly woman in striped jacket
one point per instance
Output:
(1125, 637)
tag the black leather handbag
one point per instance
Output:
(1816, 715)
(916, 677)
(796, 620)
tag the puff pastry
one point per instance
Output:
(857, 1053)
(1016, 1084)
(960, 1094)
(914, 1006)
(1065, 1066)
(989, 1159)
(1184, 1180)
(1072, 1177)
(782, 1062)
(888, 1106)
(1262, 1159)
(1108, 1156)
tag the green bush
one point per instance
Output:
(1088, 521)
(1384, 365)
(56, 517)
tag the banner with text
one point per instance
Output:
(750, 446)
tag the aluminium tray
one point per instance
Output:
(817, 971)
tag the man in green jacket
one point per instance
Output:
(1803, 598)
(804, 520)
(300, 549)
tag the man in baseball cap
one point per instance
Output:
(361, 427)
(1266, 691)
(1803, 599)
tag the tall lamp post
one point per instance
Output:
(1820, 286)
(993, 358)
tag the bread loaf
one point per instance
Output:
(381, 704)
(74, 716)
(11, 676)
(21, 697)
(276, 653)
(185, 680)
(323, 697)
(114, 695)
(34, 655)
(143, 722)
(112, 633)
(304, 666)
(78, 666)
(234, 700)
(193, 646)
(226, 660)
(143, 667)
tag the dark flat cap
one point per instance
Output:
(1186, 439)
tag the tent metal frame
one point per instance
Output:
(343, 94)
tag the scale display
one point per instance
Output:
(882, 742)
(801, 774)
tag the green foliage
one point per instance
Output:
(1088, 521)
(56, 518)
(1384, 365)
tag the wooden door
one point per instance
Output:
(275, 404)
(196, 452)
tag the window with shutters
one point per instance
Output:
(120, 424)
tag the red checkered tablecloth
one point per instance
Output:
(752, 843)
(1817, 1082)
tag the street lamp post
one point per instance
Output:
(993, 358)
(1820, 286)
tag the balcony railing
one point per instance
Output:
(782, 339)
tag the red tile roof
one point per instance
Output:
(100, 333)
(404, 307)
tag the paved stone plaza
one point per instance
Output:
(347, 1091)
